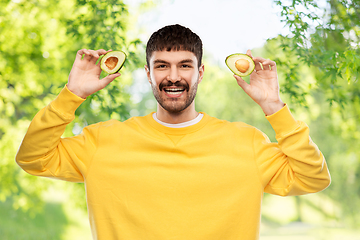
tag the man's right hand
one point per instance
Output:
(84, 78)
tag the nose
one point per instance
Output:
(173, 75)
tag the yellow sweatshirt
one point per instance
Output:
(147, 181)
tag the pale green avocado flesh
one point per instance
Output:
(239, 68)
(112, 61)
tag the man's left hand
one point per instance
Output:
(264, 86)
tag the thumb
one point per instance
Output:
(108, 79)
(242, 83)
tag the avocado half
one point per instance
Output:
(240, 64)
(112, 61)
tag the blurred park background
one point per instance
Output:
(316, 45)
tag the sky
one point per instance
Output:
(225, 26)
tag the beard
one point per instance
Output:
(175, 105)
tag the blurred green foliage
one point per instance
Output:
(326, 39)
(38, 43)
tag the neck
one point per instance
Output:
(187, 114)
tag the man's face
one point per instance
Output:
(174, 77)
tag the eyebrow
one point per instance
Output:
(187, 61)
(159, 61)
(183, 61)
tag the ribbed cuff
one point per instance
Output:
(282, 121)
(66, 103)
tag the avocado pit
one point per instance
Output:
(111, 62)
(242, 65)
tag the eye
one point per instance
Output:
(186, 66)
(160, 66)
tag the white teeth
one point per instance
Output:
(174, 89)
(173, 93)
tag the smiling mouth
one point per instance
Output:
(174, 91)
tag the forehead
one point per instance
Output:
(173, 56)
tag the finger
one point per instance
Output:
(266, 67)
(267, 63)
(108, 79)
(248, 52)
(258, 65)
(101, 52)
(80, 54)
(91, 56)
(241, 82)
(272, 65)
(85, 54)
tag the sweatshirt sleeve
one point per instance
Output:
(44, 153)
(294, 165)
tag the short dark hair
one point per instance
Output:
(174, 37)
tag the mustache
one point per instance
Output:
(167, 83)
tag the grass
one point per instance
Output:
(321, 219)
(18, 225)
(61, 220)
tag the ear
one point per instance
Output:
(201, 73)
(147, 70)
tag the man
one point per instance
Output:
(176, 173)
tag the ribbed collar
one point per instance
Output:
(177, 131)
(180, 125)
